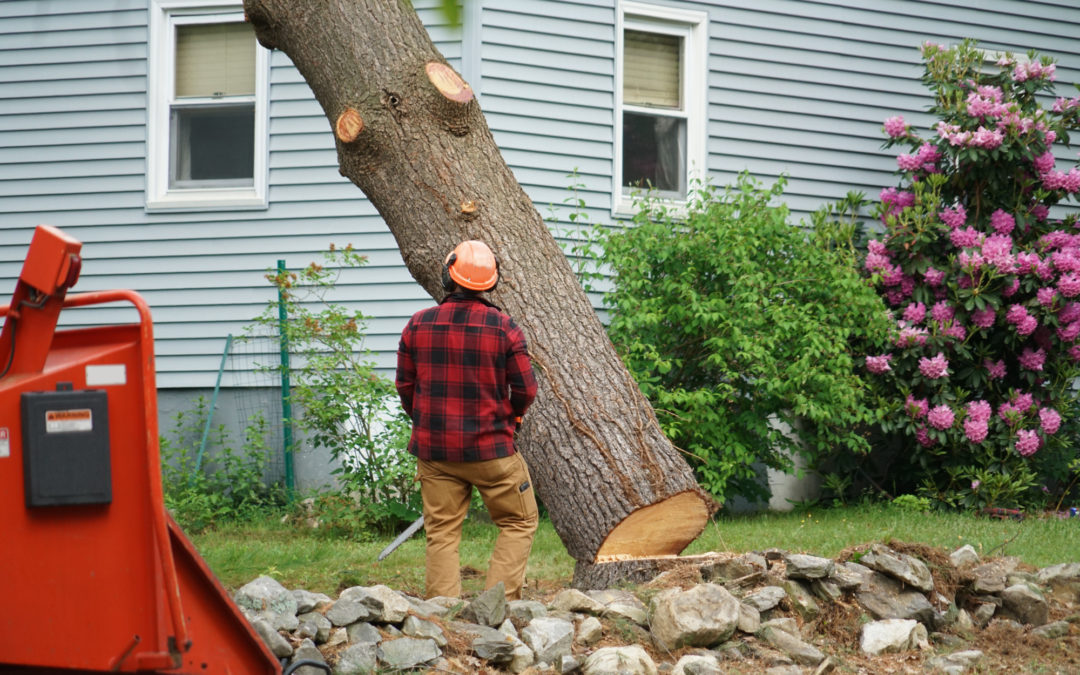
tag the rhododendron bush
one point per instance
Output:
(979, 260)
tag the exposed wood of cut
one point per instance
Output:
(613, 573)
(656, 530)
(427, 161)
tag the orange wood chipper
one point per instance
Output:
(95, 576)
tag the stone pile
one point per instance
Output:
(760, 608)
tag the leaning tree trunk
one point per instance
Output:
(411, 135)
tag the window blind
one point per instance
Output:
(215, 60)
(652, 69)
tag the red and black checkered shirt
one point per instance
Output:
(463, 374)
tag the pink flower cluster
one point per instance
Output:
(1032, 359)
(934, 368)
(986, 102)
(980, 138)
(1033, 70)
(916, 407)
(1049, 421)
(977, 421)
(1027, 442)
(896, 127)
(1062, 104)
(1017, 315)
(941, 417)
(1002, 222)
(878, 364)
(924, 160)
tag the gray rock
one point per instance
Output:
(892, 635)
(321, 623)
(964, 623)
(350, 607)
(406, 652)
(426, 608)
(703, 616)
(1025, 604)
(697, 664)
(794, 647)
(573, 600)
(802, 601)
(488, 608)
(495, 646)
(620, 604)
(848, 579)
(749, 619)
(548, 637)
(990, 577)
(784, 623)
(387, 605)
(507, 628)
(885, 598)
(568, 664)
(766, 598)
(801, 566)
(631, 660)
(523, 657)
(1052, 631)
(338, 636)
(416, 627)
(957, 662)
(307, 651)
(826, 590)
(589, 631)
(732, 568)
(362, 631)
(306, 601)
(983, 613)
(1063, 573)
(900, 566)
(278, 645)
(359, 659)
(965, 555)
(525, 610)
(267, 598)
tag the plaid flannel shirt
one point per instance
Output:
(463, 375)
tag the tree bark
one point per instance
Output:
(411, 135)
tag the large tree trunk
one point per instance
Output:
(411, 135)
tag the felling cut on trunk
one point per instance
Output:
(410, 134)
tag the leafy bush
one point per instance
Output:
(339, 399)
(736, 326)
(228, 485)
(978, 381)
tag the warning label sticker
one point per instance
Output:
(5, 442)
(63, 421)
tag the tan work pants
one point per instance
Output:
(506, 488)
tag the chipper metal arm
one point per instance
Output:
(91, 560)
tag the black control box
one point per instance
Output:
(65, 439)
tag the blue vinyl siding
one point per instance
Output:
(796, 87)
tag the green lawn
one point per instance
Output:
(298, 558)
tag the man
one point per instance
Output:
(464, 377)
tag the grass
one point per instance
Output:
(298, 558)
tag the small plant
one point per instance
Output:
(225, 484)
(340, 401)
(912, 503)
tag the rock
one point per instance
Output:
(568, 664)
(792, 646)
(1059, 574)
(620, 604)
(1025, 604)
(885, 598)
(406, 652)
(416, 627)
(495, 646)
(741, 585)
(632, 660)
(990, 577)
(957, 662)
(350, 607)
(892, 635)
(523, 657)
(525, 610)
(826, 590)
(425, 607)
(488, 608)
(697, 664)
(965, 555)
(306, 601)
(785, 623)
(983, 613)
(900, 566)
(338, 636)
(749, 619)
(507, 628)
(1053, 630)
(548, 637)
(269, 600)
(703, 616)
(307, 651)
(278, 645)
(800, 566)
(847, 578)
(361, 631)
(321, 623)
(589, 631)
(359, 659)
(573, 600)
(964, 623)
(766, 598)
(732, 568)
(387, 605)
(802, 601)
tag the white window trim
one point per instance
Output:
(694, 27)
(164, 15)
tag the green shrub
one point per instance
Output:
(736, 326)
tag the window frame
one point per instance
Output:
(165, 16)
(692, 26)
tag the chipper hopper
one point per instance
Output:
(95, 576)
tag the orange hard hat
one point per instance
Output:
(472, 265)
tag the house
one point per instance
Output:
(111, 112)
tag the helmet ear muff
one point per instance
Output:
(498, 275)
(448, 283)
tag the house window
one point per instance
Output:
(207, 129)
(660, 102)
